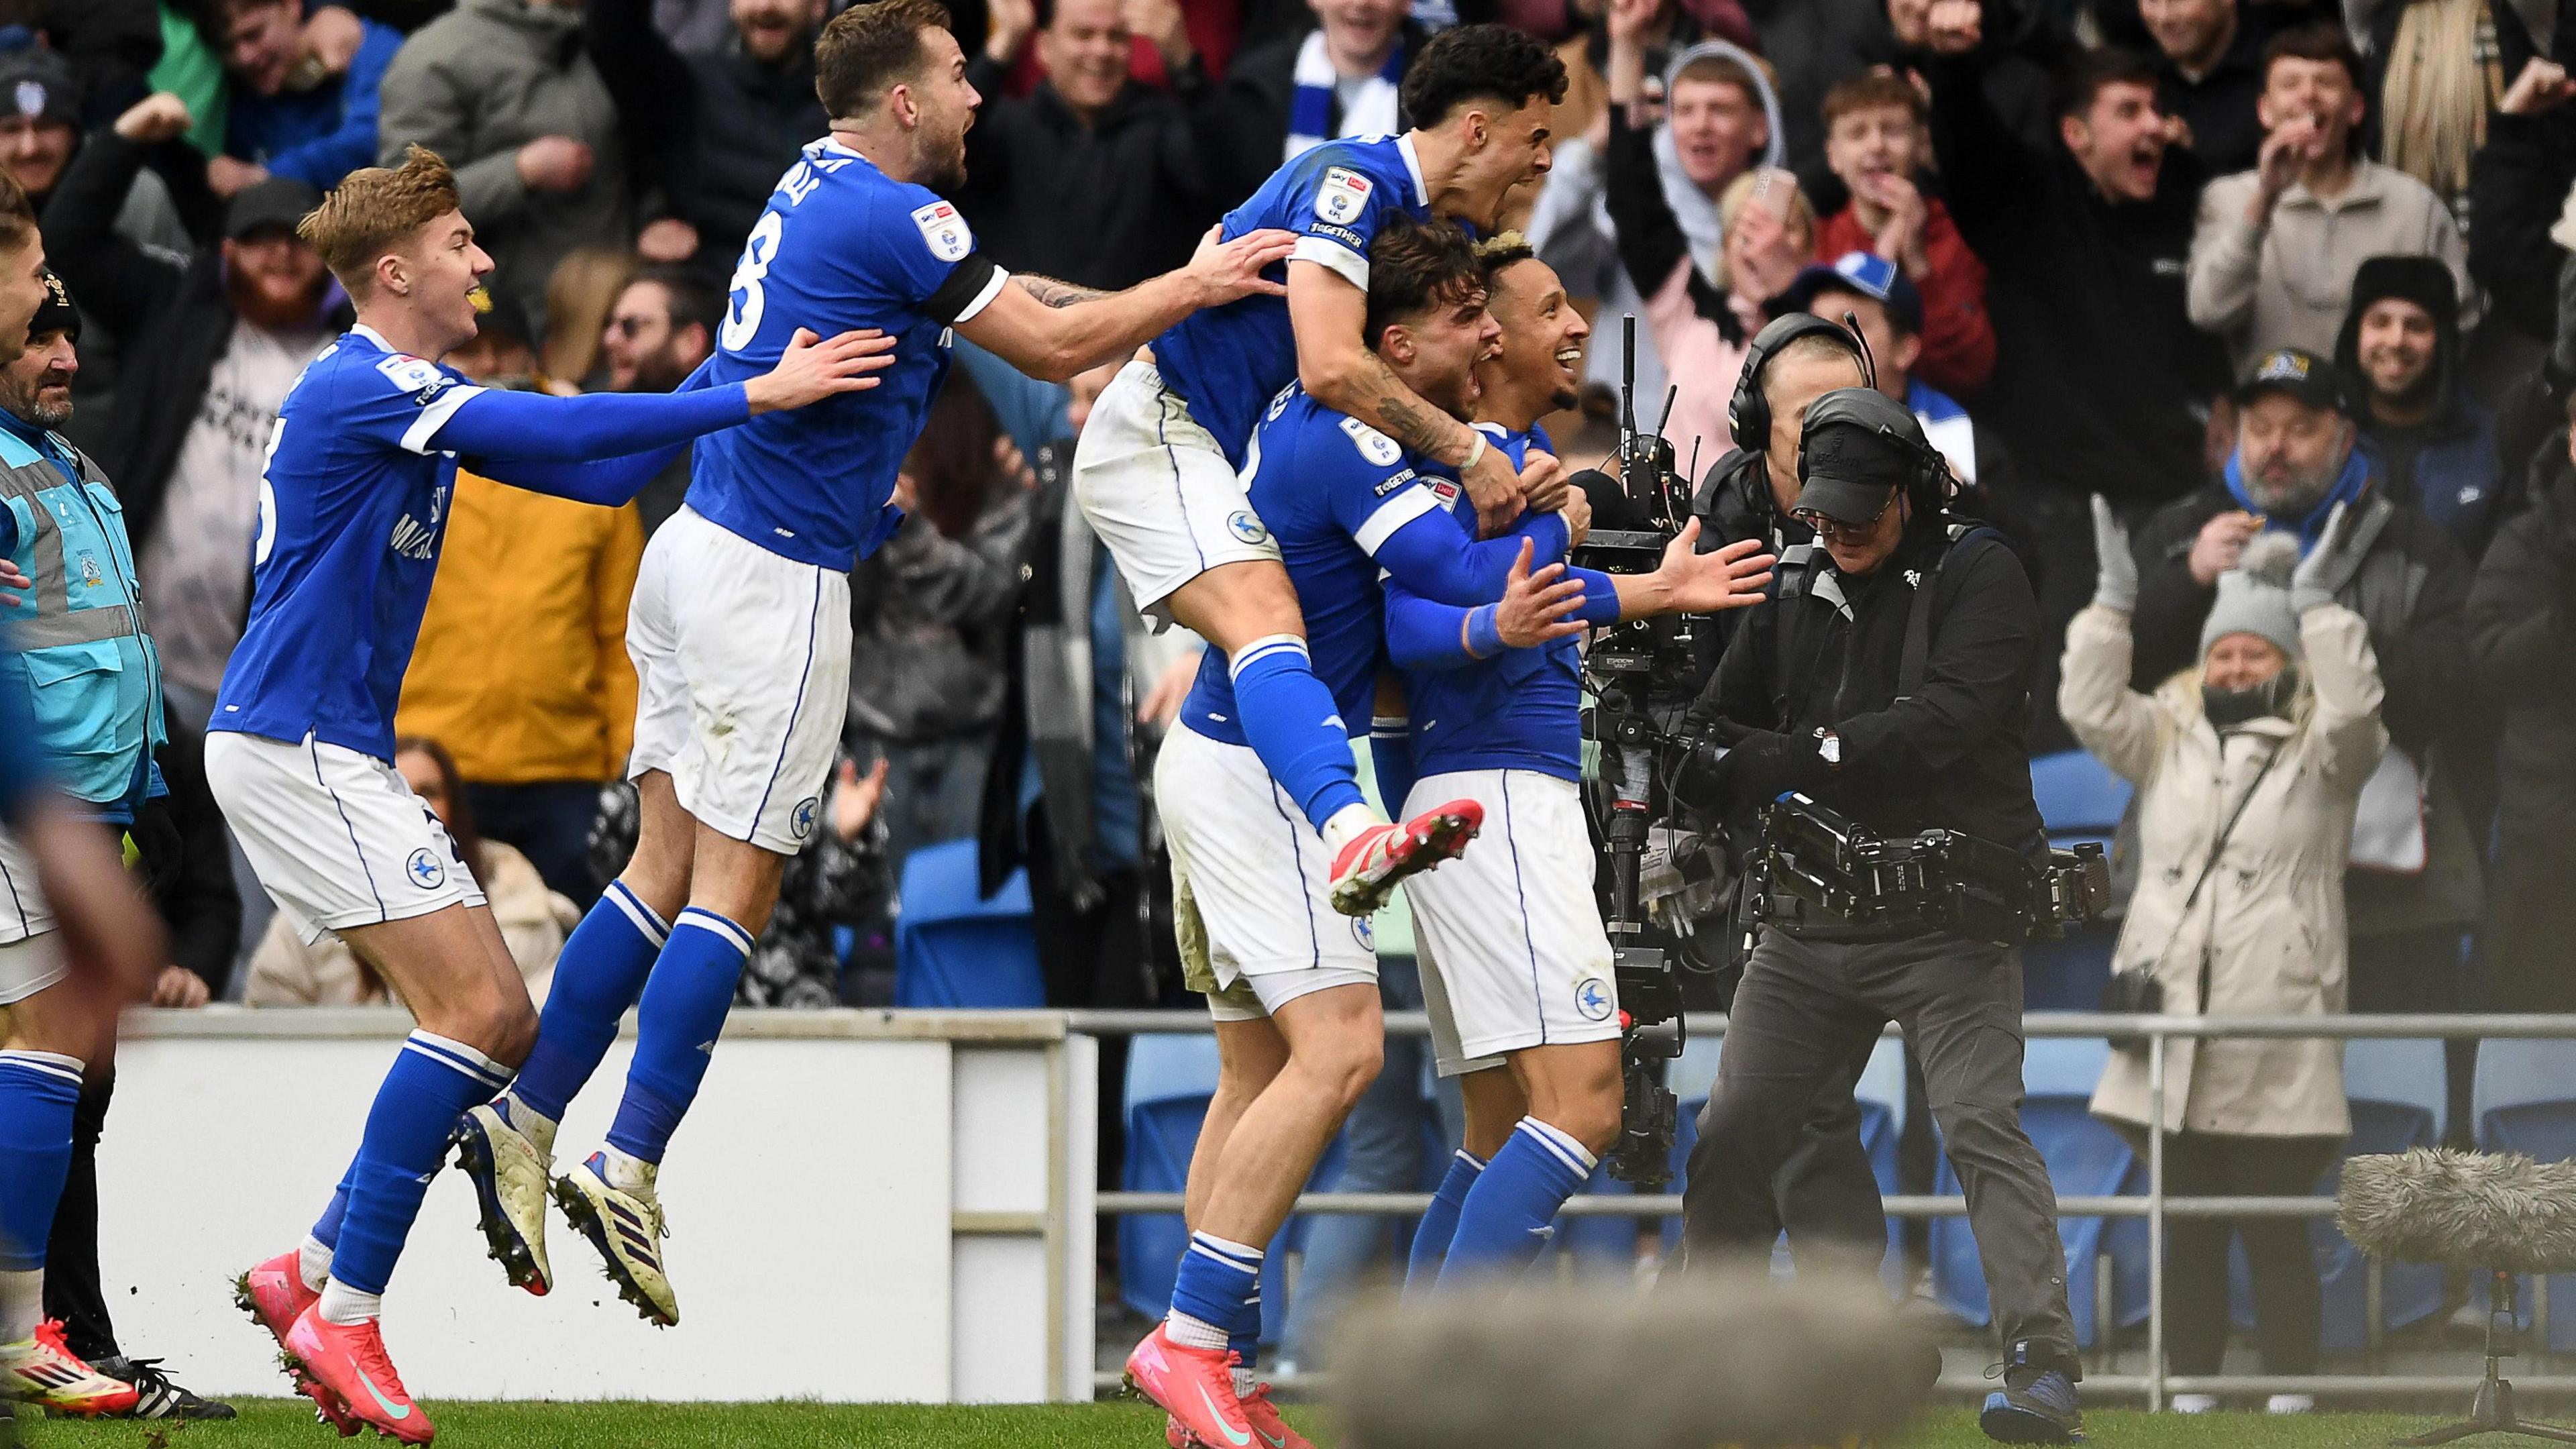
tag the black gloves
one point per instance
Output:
(1760, 768)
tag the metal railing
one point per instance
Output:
(2154, 1206)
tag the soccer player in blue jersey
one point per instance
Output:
(352, 509)
(1292, 984)
(1156, 470)
(1517, 968)
(741, 620)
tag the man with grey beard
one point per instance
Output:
(2415, 888)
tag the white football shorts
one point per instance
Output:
(336, 837)
(742, 663)
(1251, 884)
(1509, 930)
(1157, 489)
(28, 960)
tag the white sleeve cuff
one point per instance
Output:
(1349, 265)
(1408, 504)
(424, 429)
(983, 299)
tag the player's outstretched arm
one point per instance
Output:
(1431, 554)
(604, 447)
(1690, 582)
(1053, 330)
(1338, 370)
(1537, 608)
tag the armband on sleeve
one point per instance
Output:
(971, 287)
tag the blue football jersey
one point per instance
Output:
(352, 508)
(1228, 362)
(1332, 489)
(841, 245)
(1521, 709)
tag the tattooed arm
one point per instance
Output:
(1052, 330)
(1341, 371)
(1054, 293)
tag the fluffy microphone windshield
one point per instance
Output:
(2501, 1211)
(1721, 1359)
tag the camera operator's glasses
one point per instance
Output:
(1826, 523)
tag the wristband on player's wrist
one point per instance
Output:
(1484, 636)
(1475, 451)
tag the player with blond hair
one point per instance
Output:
(352, 507)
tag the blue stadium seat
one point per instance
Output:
(2399, 1094)
(2526, 1102)
(2085, 1159)
(2079, 798)
(952, 948)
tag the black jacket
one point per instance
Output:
(2101, 382)
(2522, 626)
(721, 128)
(1103, 205)
(2518, 181)
(1949, 757)
(171, 321)
(2413, 589)
(2226, 135)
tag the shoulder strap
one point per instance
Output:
(1916, 658)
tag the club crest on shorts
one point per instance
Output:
(800, 822)
(1364, 933)
(1343, 194)
(424, 869)
(1592, 998)
(1247, 527)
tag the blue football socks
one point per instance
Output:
(1439, 1225)
(1391, 755)
(599, 975)
(677, 1023)
(432, 1082)
(1507, 1215)
(38, 1092)
(1209, 1294)
(1289, 718)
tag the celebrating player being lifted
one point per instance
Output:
(1291, 984)
(352, 508)
(741, 619)
(1156, 470)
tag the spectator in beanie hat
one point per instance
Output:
(2415, 886)
(2431, 445)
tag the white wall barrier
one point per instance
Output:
(847, 1186)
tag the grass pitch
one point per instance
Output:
(284, 1424)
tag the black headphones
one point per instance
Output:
(1748, 413)
(1928, 484)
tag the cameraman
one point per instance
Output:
(1809, 698)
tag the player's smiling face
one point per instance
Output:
(442, 267)
(1541, 346)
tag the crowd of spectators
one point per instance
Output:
(2066, 229)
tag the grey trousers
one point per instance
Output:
(1804, 1009)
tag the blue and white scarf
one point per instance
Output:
(2310, 526)
(1310, 110)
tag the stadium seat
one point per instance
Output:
(2085, 1159)
(2526, 1102)
(1170, 1078)
(2080, 800)
(2079, 797)
(2399, 1093)
(953, 948)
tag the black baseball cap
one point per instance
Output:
(1851, 466)
(278, 201)
(2300, 373)
(56, 313)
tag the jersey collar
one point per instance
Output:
(1413, 168)
(361, 329)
